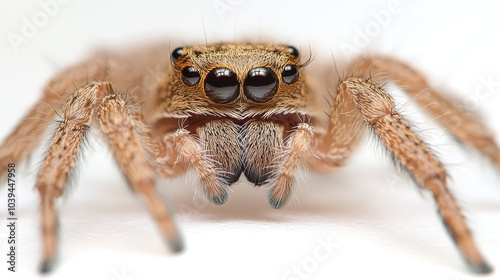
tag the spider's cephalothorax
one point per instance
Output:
(229, 109)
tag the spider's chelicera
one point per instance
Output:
(229, 109)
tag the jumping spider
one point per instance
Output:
(230, 109)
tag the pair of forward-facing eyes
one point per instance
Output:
(221, 85)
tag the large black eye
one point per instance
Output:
(293, 51)
(176, 54)
(290, 74)
(221, 85)
(190, 76)
(261, 84)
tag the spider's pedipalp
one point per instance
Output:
(298, 146)
(214, 185)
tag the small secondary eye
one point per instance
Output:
(176, 54)
(290, 74)
(293, 51)
(221, 85)
(190, 76)
(261, 84)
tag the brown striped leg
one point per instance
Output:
(131, 147)
(345, 128)
(129, 142)
(78, 112)
(460, 124)
(376, 107)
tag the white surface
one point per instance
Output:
(380, 225)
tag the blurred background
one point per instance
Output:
(365, 220)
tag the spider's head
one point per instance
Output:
(236, 80)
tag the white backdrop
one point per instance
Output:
(376, 222)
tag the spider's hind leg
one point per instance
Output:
(361, 100)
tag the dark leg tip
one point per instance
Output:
(483, 268)
(277, 200)
(221, 199)
(47, 266)
(277, 203)
(176, 245)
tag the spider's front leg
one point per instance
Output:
(129, 143)
(362, 100)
